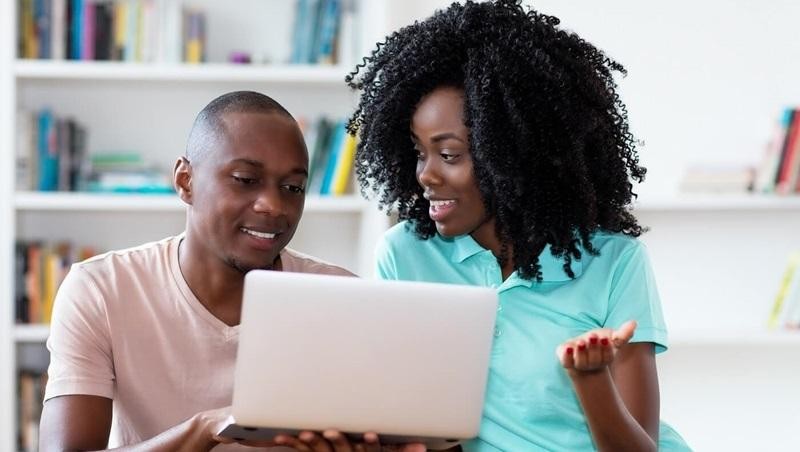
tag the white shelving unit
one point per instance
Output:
(717, 259)
(66, 202)
(208, 72)
(149, 108)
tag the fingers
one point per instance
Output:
(624, 333)
(306, 441)
(566, 354)
(590, 352)
(338, 441)
(299, 444)
(370, 444)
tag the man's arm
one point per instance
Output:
(83, 422)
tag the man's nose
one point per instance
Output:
(269, 201)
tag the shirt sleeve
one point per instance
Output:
(634, 296)
(80, 342)
(385, 265)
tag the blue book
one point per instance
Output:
(326, 37)
(48, 152)
(301, 11)
(336, 144)
(76, 31)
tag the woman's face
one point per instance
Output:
(444, 165)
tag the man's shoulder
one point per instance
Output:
(144, 257)
(305, 263)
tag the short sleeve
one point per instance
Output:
(385, 265)
(634, 296)
(80, 342)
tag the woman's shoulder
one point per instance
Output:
(616, 247)
(615, 242)
(402, 234)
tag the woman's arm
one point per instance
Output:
(617, 385)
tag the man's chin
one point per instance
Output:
(244, 267)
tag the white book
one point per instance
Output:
(58, 30)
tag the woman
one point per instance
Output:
(502, 143)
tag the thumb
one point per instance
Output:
(624, 333)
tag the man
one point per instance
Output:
(150, 333)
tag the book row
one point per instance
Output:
(122, 30)
(52, 155)
(780, 168)
(30, 388)
(39, 269)
(161, 31)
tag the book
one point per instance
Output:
(335, 149)
(344, 165)
(789, 276)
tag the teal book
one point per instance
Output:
(336, 144)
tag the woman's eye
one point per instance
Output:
(244, 180)
(295, 189)
(448, 157)
(420, 154)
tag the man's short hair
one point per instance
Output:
(208, 128)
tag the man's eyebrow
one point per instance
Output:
(299, 170)
(250, 162)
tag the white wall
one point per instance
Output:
(706, 78)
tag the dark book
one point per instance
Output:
(20, 294)
(103, 17)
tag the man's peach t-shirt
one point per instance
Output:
(127, 327)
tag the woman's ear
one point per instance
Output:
(182, 179)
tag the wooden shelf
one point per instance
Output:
(72, 201)
(207, 72)
(720, 202)
(33, 333)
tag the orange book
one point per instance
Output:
(33, 283)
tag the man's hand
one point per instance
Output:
(334, 441)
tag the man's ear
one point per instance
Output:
(182, 179)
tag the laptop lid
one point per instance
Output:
(402, 359)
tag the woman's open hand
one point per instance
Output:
(594, 350)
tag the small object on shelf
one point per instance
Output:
(239, 57)
(717, 178)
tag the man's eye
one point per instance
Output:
(245, 180)
(295, 189)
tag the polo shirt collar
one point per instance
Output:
(464, 247)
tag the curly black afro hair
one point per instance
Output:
(552, 153)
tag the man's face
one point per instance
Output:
(248, 191)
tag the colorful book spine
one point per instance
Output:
(344, 165)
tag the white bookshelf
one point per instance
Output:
(31, 333)
(83, 202)
(717, 258)
(149, 108)
(209, 72)
(718, 202)
(725, 338)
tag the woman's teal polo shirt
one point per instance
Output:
(530, 403)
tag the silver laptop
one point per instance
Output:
(407, 360)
